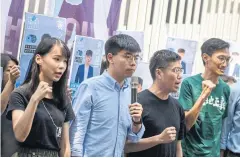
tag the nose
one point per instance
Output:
(133, 62)
(179, 77)
(62, 65)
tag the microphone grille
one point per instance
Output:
(134, 81)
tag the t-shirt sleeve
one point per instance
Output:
(16, 102)
(69, 114)
(185, 96)
(182, 130)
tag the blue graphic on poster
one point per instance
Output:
(86, 60)
(36, 28)
(186, 49)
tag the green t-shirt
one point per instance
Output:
(203, 139)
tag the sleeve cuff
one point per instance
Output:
(76, 154)
(223, 146)
(135, 137)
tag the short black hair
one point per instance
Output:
(181, 50)
(212, 45)
(121, 42)
(140, 81)
(89, 53)
(162, 59)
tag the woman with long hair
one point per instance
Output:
(40, 109)
(10, 73)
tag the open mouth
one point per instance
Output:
(58, 74)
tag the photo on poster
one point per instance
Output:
(234, 66)
(36, 28)
(186, 49)
(86, 60)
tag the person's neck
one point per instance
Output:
(209, 75)
(87, 65)
(114, 75)
(159, 92)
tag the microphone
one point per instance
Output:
(134, 86)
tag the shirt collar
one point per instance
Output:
(113, 83)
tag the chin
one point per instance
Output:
(56, 79)
(219, 72)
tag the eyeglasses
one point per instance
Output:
(176, 70)
(224, 59)
(130, 58)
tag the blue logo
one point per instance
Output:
(31, 38)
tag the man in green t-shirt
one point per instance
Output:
(204, 98)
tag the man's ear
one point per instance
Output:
(205, 58)
(110, 58)
(159, 74)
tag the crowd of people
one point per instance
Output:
(39, 118)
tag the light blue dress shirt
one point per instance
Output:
(103, 123)
(230, 137)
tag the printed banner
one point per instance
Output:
(186, 49)
(234, 66)
(86, 60)
(11, 22)
(92, 18)
(38, 27)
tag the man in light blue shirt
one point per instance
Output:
(230, 138)
(105, 117)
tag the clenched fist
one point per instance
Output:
(168, 135)
(42, 91)
(14, 73)
(207, 87)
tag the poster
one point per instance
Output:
(86, 60)
(92, 18)
(36, 28)
(11, 23)
(234, 66)
(186, 49)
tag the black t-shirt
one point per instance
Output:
(47, 123)
(157, 115)
(9, 144)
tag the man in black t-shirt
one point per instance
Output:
(163, 117)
